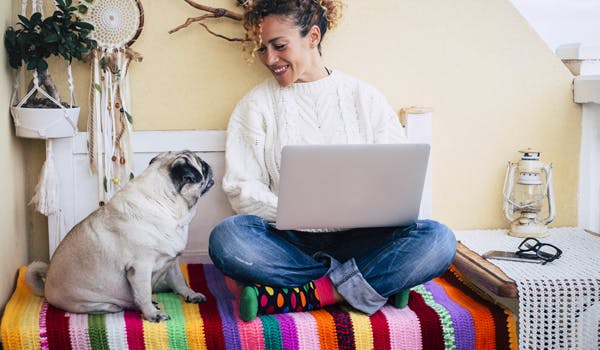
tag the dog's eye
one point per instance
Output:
(153, 159)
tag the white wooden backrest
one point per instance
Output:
(78, 195)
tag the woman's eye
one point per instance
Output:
(279, 47)
(261, 50)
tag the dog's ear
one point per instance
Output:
(208, 175)
(160, 155)
(153, 159)
(182, 172)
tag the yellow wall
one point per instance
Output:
(493, 85)
(13, 234)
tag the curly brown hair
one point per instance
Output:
(305, 13)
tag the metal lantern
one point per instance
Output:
(528, 195)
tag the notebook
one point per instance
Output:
(350, 186)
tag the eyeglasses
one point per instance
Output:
(531, 247)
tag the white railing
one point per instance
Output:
(584, 63)
(78, 195)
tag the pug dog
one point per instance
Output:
(120, 254)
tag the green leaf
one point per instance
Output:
(61, 51)
(98, 87)
(105, 184)
(14, 63)
(131, 176)
(10, 36)
(51, 38)
(36, 39)
(84, 25)
(129, 117)
(61, 4)
(24, 21)
(37, 63)
(36, 18)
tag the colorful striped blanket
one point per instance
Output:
(441, 314)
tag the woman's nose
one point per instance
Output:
(271, 57)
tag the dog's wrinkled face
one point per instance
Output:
(190, 175)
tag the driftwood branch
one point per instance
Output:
(213, 13)
(190, 21)
(219, 35)
(219, 12)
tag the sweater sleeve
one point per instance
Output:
(386, 125)
(246, 180)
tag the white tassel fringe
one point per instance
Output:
(45, 198)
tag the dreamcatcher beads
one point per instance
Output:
(121, 159)
(117, 24)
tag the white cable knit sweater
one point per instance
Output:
(335, 109)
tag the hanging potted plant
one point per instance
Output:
(41, 113)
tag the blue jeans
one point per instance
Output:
(366, 266)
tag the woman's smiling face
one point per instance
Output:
(289, 56)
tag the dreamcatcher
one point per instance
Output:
(117, 24)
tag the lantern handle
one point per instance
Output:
(508, 186)
(550, 191)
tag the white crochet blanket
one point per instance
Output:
(559, 303)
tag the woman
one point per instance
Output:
(307, 102)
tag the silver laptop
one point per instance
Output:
(350, 186)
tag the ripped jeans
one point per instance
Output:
(366, 266)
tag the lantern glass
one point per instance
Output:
(528, 196)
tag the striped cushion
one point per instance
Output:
(441, 314)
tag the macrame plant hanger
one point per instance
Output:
(117, 24)
(45, 198)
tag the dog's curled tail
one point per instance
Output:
(35, 277)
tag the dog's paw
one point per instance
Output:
(157, 316)
(195, 298)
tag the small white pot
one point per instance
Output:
(45, 123)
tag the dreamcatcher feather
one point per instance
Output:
(117, 24)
